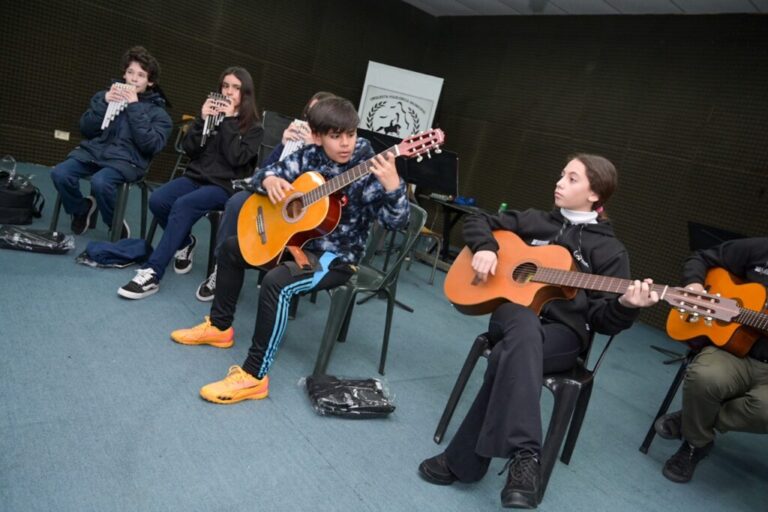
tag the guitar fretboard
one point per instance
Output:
(753, 319)
(587, 281)
(344, 179)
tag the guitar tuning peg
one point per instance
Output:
(419, 158)
(694, 318)
(438, 150)
(708, 321)
(429, 155)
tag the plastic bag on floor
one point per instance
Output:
(35, 240)
(350, 398)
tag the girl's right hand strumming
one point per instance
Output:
(484, 263)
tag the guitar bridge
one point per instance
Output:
(260, 225)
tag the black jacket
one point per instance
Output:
(131, 139)
(595, 250)
(746, 258)
(227, 155)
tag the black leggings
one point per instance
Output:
(277, 288)
(505, 416)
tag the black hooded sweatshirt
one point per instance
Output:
(595, 250)
(746, 258)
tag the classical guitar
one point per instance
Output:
(736, 334)
(533, 276)
(312, 209)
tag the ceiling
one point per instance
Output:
(586, 7)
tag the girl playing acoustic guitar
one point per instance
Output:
(504, 420)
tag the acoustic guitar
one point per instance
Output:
(533, 276)
(312, 209)
(736, 334)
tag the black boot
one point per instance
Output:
(523, 488)
(435, 470)
(679, 468)
(669, 426)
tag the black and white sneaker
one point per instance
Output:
(81, 223)
(144, 284)
(182, 262)
(207, 288)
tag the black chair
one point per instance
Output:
(571, 389)
(671, 392)
(368, 279)
(120, 206)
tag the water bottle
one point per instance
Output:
(502, 207)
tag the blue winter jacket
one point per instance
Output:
(130, 141)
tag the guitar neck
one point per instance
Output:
(342, 180)
(588, 281)
(752, 318)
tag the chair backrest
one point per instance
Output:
(403, 246)
(274, 125)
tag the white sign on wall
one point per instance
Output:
(398, 102)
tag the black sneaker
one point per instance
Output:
(207, 288)
(669, 426)
(81, 223)
(435, 470)
(523, 487)
(182, 262)
(679, 468)
(144, 284)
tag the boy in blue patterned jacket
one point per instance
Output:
(380, 195)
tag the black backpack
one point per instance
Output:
(20, 200)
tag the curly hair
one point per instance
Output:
(147, 62)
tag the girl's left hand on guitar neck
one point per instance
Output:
(639, 295)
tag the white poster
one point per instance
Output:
(398, 102)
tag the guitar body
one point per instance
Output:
(265, 229)
(509, 284)
(729, 336)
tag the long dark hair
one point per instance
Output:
(603, 179)
(247, 111)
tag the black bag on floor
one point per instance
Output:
(20, 200)
(351, 398)
(35, 240)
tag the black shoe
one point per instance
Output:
(207, 289)
(81, 223)
(182, 262)
(144, 284)
(679, 468)
(435, 470)
(669, 426)
(523, 488)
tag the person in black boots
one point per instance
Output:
(721, 391)
(504, 420)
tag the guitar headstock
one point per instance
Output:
(710, 307)
(422, 144)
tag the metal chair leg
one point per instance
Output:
(665, 404)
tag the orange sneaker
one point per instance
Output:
(237, 386)
(205, 334)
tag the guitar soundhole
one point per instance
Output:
(294, 208)
(524, 273)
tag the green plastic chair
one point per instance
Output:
(369, 279)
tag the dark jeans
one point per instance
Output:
(505, 416)
(177, 205)
(228, 223)
(277, 288)
(104, 182)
